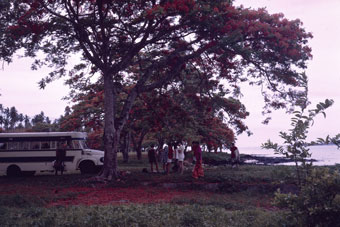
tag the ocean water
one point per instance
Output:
(323, 154)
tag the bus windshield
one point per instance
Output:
(80, 144)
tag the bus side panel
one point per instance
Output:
(39, 161)
(72, 156)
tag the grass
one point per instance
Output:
(141, 215)
(238, 197)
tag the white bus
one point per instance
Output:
(36, 152)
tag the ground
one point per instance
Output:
(249, 186)
(144, 188)
(241, 196)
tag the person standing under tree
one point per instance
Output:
(164, 157)
(181, 156)
(175, 166)
(152, 158)
(170, 157)
(235, 156)
(198, 169)
(59, 164)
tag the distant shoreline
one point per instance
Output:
(321, 155)
(261, 160)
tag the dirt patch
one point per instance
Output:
(138, 188)
(107, 196)
(145, 193)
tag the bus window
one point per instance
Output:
(53, 145)
(25, 145)
(13, 146)
(3, 146)
(69, 144)
(35, 145)
(45, 145)
(83, 144)
(76, 144)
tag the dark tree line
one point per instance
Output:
(11, 120)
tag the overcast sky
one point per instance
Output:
(321, 18)
(19, 85)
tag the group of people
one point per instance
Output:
(172, 158)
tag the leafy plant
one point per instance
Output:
(295, 146)
(318, 202)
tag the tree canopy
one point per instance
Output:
(137, 46)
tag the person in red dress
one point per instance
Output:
(198, 169)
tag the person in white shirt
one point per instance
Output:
(180, 157)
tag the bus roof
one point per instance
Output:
(43, 134)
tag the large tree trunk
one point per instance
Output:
(137, 145)
(126, 147)
(112, 129)
(111, 136)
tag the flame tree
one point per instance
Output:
(161, 37)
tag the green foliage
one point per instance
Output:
(295, 145)
(215, 156)
(318, 202)
(212, 201)
(20, 201)
(140, 215)
(11, 120)
(328, 140)
(282, 174)
(27, 201)
(251, 174)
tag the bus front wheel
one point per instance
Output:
(87, 167)
(13, 171)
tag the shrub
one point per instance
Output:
(17, 200)
(295, 146)
(318, 203)
(141, 215)
(282, 174)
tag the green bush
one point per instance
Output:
(282, 174)
(140, 215)
(219, 156)
(318, 203)
(216, 202)
(20, 201)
